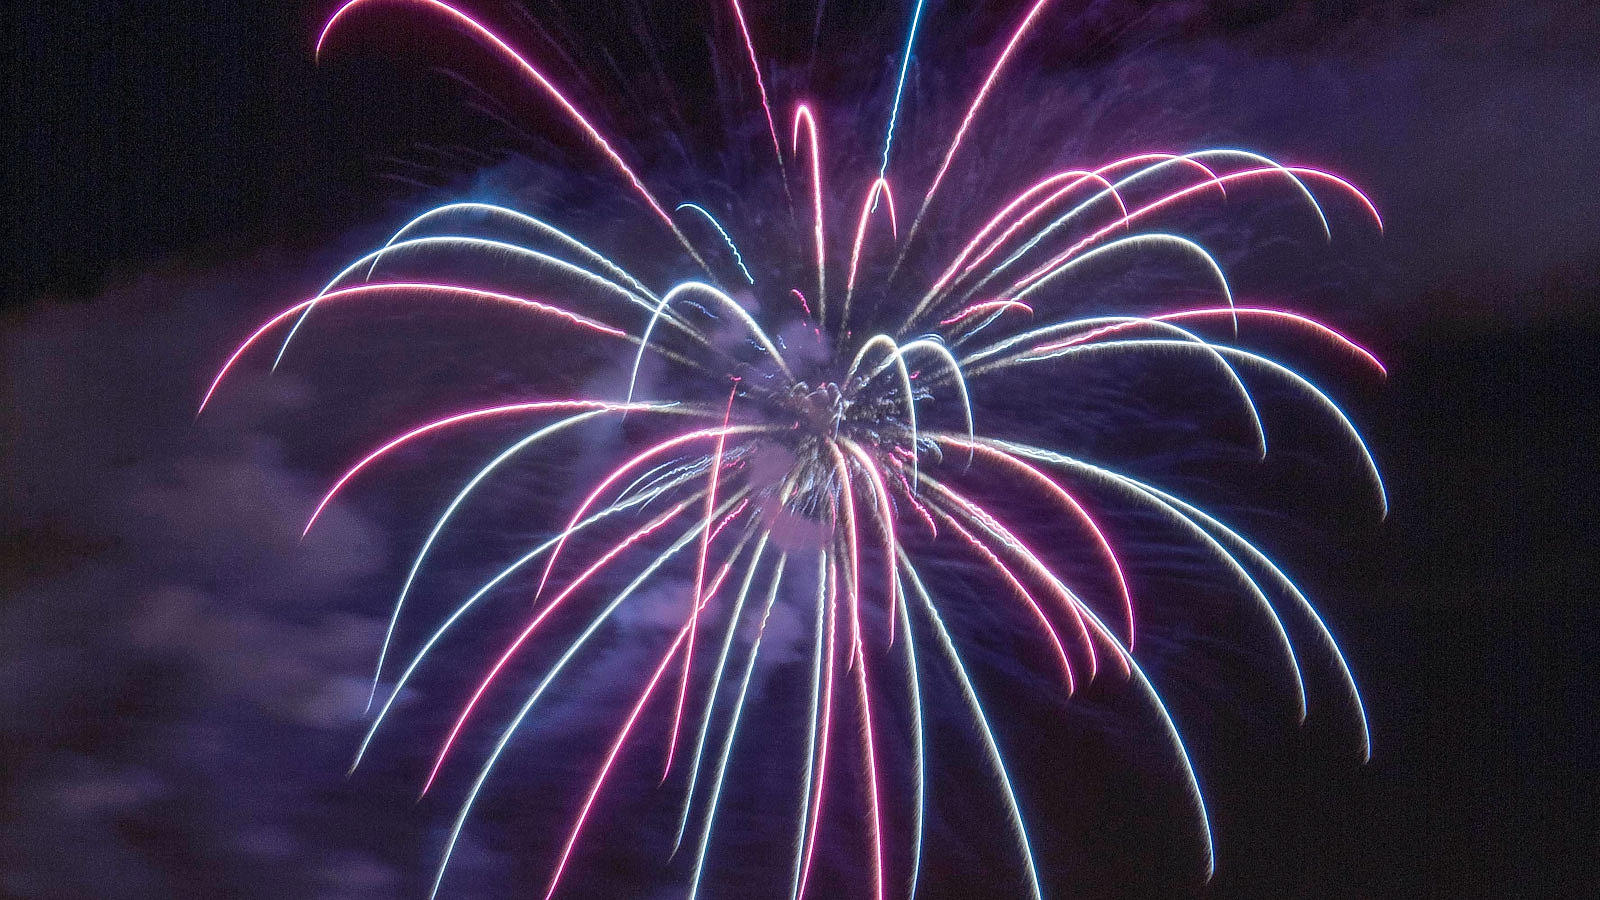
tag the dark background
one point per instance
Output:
(177, 672)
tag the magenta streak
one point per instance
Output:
(611, 758)
(976, 308)
(761, 87)
(867, 206)
(1005, 572)
(1082, 176)
(611, 479)
(983, 92)
(1033, 562)
(867, 740)
(1243, 311)
(699, 583)
(572, 111)
(487, 412)
(886, 526)
(1061, 493)
(803, 113)
(364, 289)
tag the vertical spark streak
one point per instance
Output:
(803, 114)
(716, 684)
(917, 740)
(870, 762)
(976, 707)
(572, 111)
(811, 732)
(733, 730)
(699, 582)
(918, 747)
(899, 88)
(827, 727)
(886, 526)
(852, 540)
(761, 88)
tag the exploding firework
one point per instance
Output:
(801, 433)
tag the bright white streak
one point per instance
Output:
(733, 730)
(996, 761)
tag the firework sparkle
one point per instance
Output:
(831, 466)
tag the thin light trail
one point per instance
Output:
(535, 406)
(572, 111)
(438, 528)
(599, 620)
(479, 594)
(522, 637)
(716, 685)
(899, 88)
(990, 746)
(611, 758)
(738, 258)
(733, 730)
(823, 742)
(918, 739)
(812, 718)
(972, 112)
(699, 582)
(881, 186)
(761, 88)
(802, 114)
(367, 290)
(1174, 506)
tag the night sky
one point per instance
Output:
(182, 679)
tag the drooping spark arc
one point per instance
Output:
(733, 730)
(881, 186)
(802, 114)
(738, 258)
(572, 650)
(996, 760)
(449, 290)
(457, 419)
(527, 632)
(572, 111)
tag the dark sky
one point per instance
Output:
(181, 678)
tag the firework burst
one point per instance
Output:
(803, 435)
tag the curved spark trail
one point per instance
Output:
(797, 489)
